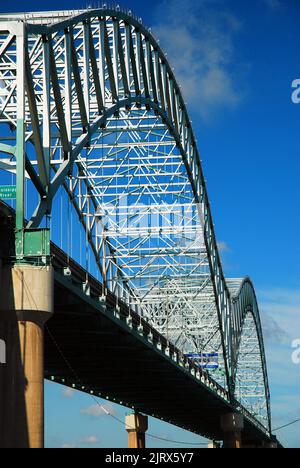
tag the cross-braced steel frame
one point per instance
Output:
(89, 102)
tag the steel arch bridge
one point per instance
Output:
(90, 105)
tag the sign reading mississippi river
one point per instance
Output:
(8, 192)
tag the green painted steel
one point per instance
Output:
(20, 157)
(8, 192)
(36, 243)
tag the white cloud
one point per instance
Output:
(282, 307)
(97, 411)
(199, 40)
(90, 440)
(281, 322)
(223, 247)
(68, 392)
(273, 333)
(284, 375)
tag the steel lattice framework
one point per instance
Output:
(93, 106)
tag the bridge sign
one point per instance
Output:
(207, 361)
(8, 192)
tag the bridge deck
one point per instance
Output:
(90, 344)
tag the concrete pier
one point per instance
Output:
(136, 426)
(232, 425)
(26, 303)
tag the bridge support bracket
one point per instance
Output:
(33, 246)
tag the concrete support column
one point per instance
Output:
(136, 426)
(232, 426)
(26, 303)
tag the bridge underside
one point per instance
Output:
(89, 345)
(124, 368)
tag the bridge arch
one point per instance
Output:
(251, 388)
(99, 94)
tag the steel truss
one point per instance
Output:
(92, 105)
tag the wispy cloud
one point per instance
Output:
(97, 411)
(281, 311)
(273, 333)
(90, 440)
(85, 441)
(68, 393)
(199, 39)
(281, 322)
(223, 247)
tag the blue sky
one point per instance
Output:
(236, 62)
